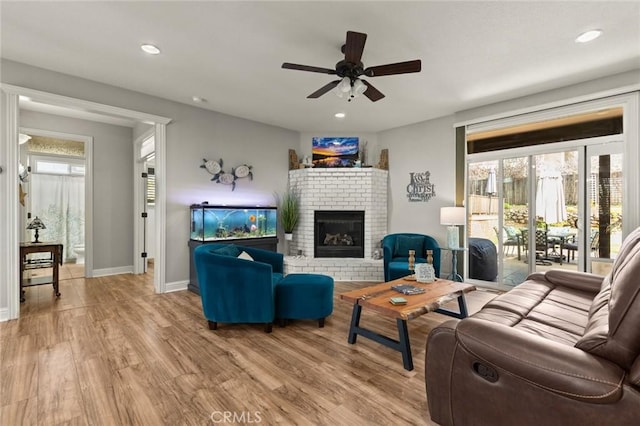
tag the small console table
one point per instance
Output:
(53, 261)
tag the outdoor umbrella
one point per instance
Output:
(492, 187)
(550, 202)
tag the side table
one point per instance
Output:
(454, 275)
(55, 251)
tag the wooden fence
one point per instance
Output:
(515, 192)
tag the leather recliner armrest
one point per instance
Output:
(558, 368)
(584, 281)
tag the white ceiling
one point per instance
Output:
(230, 53)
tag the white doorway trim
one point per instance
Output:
(88, 188)
(9, 275)
(139, 199)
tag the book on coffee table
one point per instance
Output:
(408, 289)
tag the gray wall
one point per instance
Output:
(198, 134)
(193, 134)
(112, 183)
(426, 146)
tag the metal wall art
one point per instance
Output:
(419, 187)
(226, 178)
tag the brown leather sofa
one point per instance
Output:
(562, 348)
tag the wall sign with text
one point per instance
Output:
(419, 187)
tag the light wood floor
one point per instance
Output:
(111, 352)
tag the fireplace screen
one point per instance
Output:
(338, 233)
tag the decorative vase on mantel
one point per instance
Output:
(288, 236)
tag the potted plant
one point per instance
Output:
(289, 213)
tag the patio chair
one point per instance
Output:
(511, 237)
(594, 244)
(542, 246)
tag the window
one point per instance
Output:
(58, 165)
(151, 186)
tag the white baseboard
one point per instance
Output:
(4, 314)
(176, 286)
(113, 271)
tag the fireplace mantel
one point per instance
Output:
(340, 189)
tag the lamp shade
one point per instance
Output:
(344, 85)
(452, 216)
(358, 87)
(36, 223)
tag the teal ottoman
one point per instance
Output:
(304, 296)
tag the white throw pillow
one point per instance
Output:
(245, 255)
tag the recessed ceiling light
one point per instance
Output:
(150, 49)
(588, 36)
(198, 99)
(339, 115)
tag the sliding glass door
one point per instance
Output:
(534, 209)
(604, 204)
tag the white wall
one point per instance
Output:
(426, 146)
(193, 134)
(112, 184)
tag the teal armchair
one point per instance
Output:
(396, 253)
(236, 290)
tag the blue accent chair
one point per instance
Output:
(396, 253)
(236, 290)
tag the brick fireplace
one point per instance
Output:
(346, 190)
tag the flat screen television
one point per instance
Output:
(334, 151)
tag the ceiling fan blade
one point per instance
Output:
(372, 93)
(354, 46)
(307, 68)
(324, 89)
(397, 68)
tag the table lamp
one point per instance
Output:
(37, 225)
(452, 217)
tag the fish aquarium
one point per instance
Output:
(219, 223)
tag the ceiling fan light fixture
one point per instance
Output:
(344, 85)
(358, 88)
(351, 68)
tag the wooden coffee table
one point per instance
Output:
(376, 298)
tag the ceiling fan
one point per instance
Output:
(351, 68)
